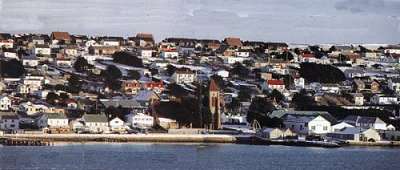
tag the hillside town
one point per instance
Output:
(61, 83)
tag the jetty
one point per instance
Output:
(7, 141)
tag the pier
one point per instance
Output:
(7, 141)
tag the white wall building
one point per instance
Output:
(5, 103)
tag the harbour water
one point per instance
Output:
(195, 156)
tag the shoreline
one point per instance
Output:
(169, 138)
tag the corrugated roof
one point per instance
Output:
(95, 118)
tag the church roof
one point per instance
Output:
(213, 85)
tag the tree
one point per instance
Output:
(133, 74)
(12, 68)
(276, 95)
(259, 110)
(52, 98)
(302, 100)
(170, 69)
(127, 58)
(74, 84)
(240, 70)
(321, 73)
(112, 75)
(81, 64)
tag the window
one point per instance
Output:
(325, 128)
(312, 127)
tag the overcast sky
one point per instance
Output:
(293, 21)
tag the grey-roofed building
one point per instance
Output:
(124, 103)
(146, 97)
(9, 121)
(96, 123)
(366, 122)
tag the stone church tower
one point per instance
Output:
(215, 104)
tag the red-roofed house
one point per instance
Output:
(276, 84)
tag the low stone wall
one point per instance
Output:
(169, 138)
(381, 143)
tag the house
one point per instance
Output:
(167, 123)
(111, 41)
(130, 104)
(30, 84)
(375, 86)
(144, 40)
(299, 82)
(183, 75)
(275, 85)
(340, 126)
(30, 61)
(356, 134)
(233, 42)
(31, 108)
(146, 52)
(141, 120)
(9, 121)
(169, 54)
(60, 38)
(384, 99)
(56, 120)
(305, 122)
(36, 121)
(156, 86)
(77, 125)
(223, 73)
(117, 124)
(272, 133)
(358, 99)
(366, 122)
(42, 51)
(130, 86)
(5, 103)
(96, 123)
(394, 84)
(146, 97)
(103, 50)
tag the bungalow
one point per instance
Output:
(366, 122)
(276, 133)
(9, 121)
(117, 124)
(96, 123)
(5, 103)
(140, 120)
(169, 54)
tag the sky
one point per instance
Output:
(292, 21)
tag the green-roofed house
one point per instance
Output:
(96, 123)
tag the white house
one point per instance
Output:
(30, 61)
(55, 120)
(5, 103)
(141, 120)
(146, 53)
(358, 99)
(384, 100)
(356, 134)
(308, 124)
(96, 123)
(299, 82)
(183, 75)
(223, 73)
(117, 124)
(169, 54)
(42, 50)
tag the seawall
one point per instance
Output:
(167, 138)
